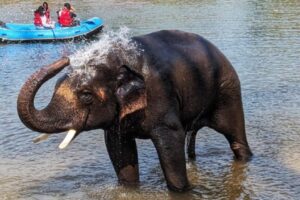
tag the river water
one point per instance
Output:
(260, 38)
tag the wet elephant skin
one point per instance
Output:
(177, 83)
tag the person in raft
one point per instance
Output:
(40, 19)
(66, 16)
(46, 10)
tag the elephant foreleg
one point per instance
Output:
(123, 154)
(191, 142)
(169, 144)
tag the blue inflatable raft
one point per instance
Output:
(29, 32)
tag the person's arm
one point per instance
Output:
(72, 9)
(44, 22)
(72, 14)
(58, 13)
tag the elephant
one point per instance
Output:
(167, 84)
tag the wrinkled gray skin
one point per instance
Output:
(178, 83)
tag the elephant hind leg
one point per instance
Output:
(190, 147)
(228, 119)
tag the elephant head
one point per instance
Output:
(85, 100)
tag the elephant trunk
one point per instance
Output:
(38, 120)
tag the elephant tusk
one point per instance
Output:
(69, 137)
(40, 138)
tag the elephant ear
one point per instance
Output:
(131, 91)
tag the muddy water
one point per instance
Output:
(261, 39)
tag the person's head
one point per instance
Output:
(45, 5)
(67, 5)
(40, 10)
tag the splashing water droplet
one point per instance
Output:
(119, 43)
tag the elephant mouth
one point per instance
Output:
(70, 136)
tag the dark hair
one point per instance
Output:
(67, 5)
(40, 10)
(45, 5)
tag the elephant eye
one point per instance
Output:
(86, 97)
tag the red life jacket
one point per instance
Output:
(37, 19)
(65, 18)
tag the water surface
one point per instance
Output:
(261, 39)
